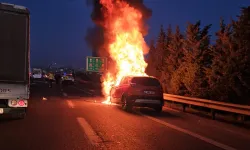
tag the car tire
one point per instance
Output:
(125, 105)
(158, 109)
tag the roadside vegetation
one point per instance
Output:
(188, 64)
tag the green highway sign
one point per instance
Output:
(96, 64)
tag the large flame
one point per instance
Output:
(126, 43)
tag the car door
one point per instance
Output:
(116, 91)
(123, 88)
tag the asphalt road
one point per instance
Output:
(74, 118)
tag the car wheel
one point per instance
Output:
(125, 105)
(158, 109)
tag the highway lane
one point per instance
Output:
(89, 88)
(211, 131)
(49, 125)
(122, 130)
(73, 119)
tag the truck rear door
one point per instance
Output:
(14, 44)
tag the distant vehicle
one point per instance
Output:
(37, 73)
(68, 79)
(141, 91)
(15, 59)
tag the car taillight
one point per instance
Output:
(17, 103)
(13, 102)
(21, 103)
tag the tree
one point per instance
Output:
(220, 77)
(187, 64)
(175, 60)
(194, 48)
(165, 70)
(241, 36)
(229, 79)
(159, 52)
(175, 49)
(151, 60)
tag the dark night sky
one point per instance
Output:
(58, 27)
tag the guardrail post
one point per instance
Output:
(172, 103)
(213, 114)
(184, 107)
(241, 118)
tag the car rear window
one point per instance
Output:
(146, 81)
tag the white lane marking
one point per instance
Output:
(70, 104)
(88, 130)
(246, 135)
(65, 94)
(82, 90)
(205, 139)
(210, 124)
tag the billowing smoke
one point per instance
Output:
(95, 35)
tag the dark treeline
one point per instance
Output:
(189, 65)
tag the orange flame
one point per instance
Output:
(126, 43)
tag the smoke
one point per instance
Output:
(138, 4)
(95, 35)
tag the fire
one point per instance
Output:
(126, 43)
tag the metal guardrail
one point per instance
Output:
(213, 105)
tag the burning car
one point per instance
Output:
(141, 91)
